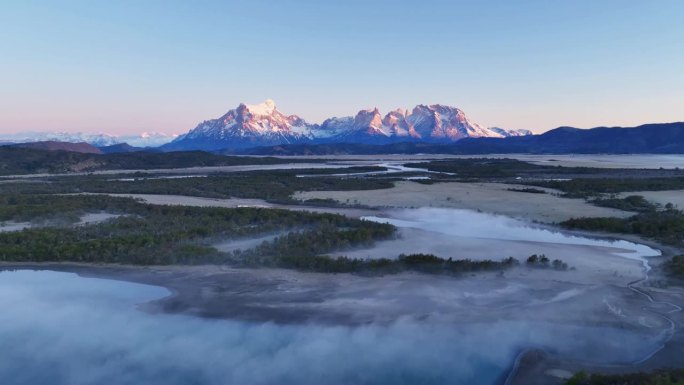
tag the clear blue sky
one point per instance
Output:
(129, 66)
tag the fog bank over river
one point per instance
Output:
(460, 234)
(66, 329)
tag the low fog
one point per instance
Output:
(469, 234)
(59, 328)
(472, 224)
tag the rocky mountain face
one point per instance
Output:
(264, 125)
(245, 126)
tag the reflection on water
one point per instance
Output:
(58, 328)
(472, 224)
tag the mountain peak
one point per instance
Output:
(262, 109)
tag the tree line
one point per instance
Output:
(154, 234)
(666, 226)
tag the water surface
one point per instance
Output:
(469, 224)
(59, 328)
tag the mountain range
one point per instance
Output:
(262, 129)
(654, 138)
(657, 138)
(264, 125)
(145, 139)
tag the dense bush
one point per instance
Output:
(529, 190)
(426, 263)
(659, 377)
(591, 187)
(675, 266)
(631, 203)
(666, 226)
(542, 261)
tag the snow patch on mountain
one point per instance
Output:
(264, 109)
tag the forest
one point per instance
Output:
(17, 160)
(595, 187)
(152, 234)
(666, 225)
(424, 263)
(146, 234)
(635, 203)
(275, 186)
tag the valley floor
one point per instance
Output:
(604, 303)
(495, 198)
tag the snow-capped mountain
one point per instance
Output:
(147, 139)
(515, 132)
(366, 127)
(245, 126)
(98, 140)
(263, 125)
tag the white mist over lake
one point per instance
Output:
(470, 224)
(59, 328)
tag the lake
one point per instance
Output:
(59, 328)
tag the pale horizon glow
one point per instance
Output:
(128, 67)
